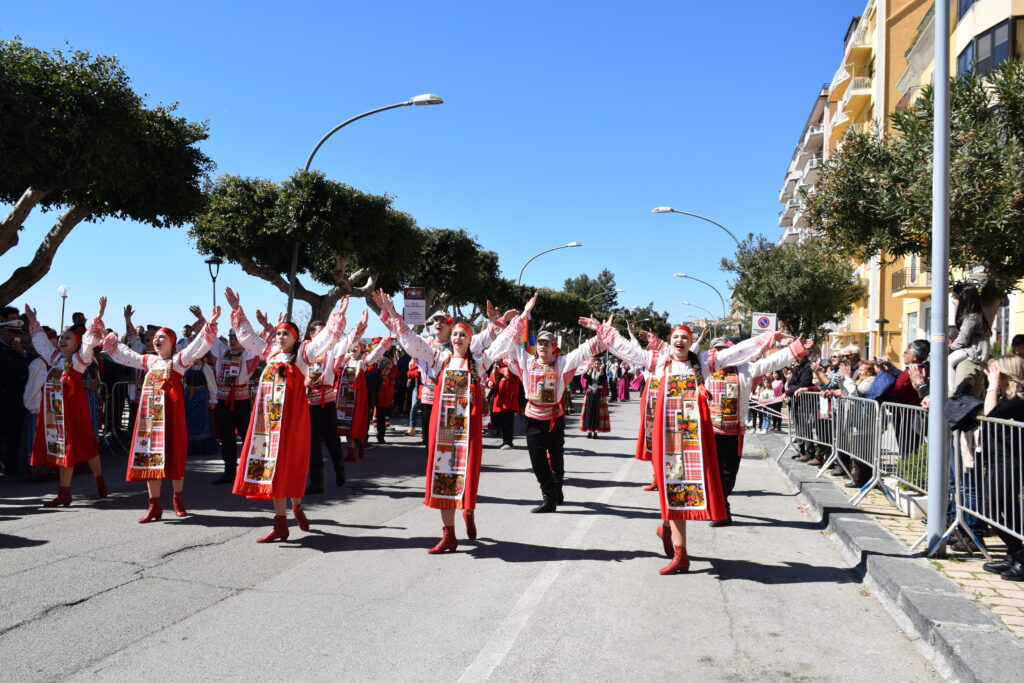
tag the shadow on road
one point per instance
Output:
(791, 572)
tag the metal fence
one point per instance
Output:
(987, 471)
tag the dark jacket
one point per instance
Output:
(802, 377)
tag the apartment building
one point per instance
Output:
(887, 56)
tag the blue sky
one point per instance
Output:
(563, 121)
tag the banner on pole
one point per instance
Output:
(763, 322)
(415, 310)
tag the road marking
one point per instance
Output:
(493, 653)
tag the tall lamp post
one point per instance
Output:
(63, 291)
(669, 209)
(213, 264)
(417, 100)
(713, 326)
(720, 297)
(579, 337)
(546, 251)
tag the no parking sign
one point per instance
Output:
(762, 322)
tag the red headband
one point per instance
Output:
(77, 331)
(169, 332)
(290, 327)
(684, 328)
(464, 326)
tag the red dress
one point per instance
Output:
(445, 488)
(75, 436)
(507, 395)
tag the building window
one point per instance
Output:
(987, 51)
(962, 7)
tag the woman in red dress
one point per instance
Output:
(64, 434)
(275, 455)
(160, 440)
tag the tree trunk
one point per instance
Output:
(13, 221)
(24, 277)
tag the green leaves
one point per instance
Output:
(874, 196)
(808, 284)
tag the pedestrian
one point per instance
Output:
(683, 446)
(160, 440)
(455, 441)
(594, 418)
(64, 435)
(232, 368)
(973, 329)
(779, 387)
(13, 376)
(275, 454)
(506, 401)
(765, 396)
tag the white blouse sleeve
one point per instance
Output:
(247, 337)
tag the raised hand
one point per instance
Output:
(196, 311)
(700, 337)
(232, 298)
(492, 312)
(608, 322)
(994, 374)
(214, 314)
(361, 325)
(343, 304)
(30, 313)
(629, 328)
(509, 315)
(530, 304)
(261, 318)
(128, 313)
(103, 307)
(590, 323)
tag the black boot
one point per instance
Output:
(999, 566)
(1016, 571)
(227, 478)
(339, 470)
(559, 480)
(547, 506)
(316, 483)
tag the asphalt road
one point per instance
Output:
(87, 594)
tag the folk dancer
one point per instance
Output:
(64, 435)
(275, 454)
(353, 404)
(455, 437)
(160, 439)
(683, 444)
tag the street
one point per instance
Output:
(89, 594)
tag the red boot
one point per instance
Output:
(665, 534)
(469, 519)
(280, 530)
(300, 516)
(653, 486)
(179, 504)
(448, 542)
(154, 511)
(101, 487)
(63, 498)
(680, 562)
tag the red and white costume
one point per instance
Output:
(352, 399)
(275, 454)
(160, 440)
(64, 434)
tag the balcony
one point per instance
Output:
(813, 140)
(785, 220)
(857, 94)
(811, 170)
(791, 207)
(800, 218)
(911, 283)
(840, 122)
(839, 83)
(860, 44)
(786, 193)
(790, 236)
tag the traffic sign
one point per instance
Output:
(763, 322)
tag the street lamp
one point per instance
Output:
(712, 319)
(669, 209)
(213, 264)
(546, 251)
(63, 291)
(605, 293)
(418, 100)
(720, 297)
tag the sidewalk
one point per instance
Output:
(973, 630)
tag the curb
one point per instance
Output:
(958, 634)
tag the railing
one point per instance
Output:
(860, 38)
(860, 83)
(816, 130)
(911, 277)
(892, 439)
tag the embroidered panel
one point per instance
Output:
(346, 400)
(53, 417)
(683, 456)
(450, 458)
(148, 451)
(261, 458)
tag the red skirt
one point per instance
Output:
(715, 497)
(641, 438)
(476, 430)
(79, 438)
(361, 416)
(292, 465)
(175, 436)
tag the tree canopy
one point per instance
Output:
(874, 196)
(78, 139)
(807, 284)
(599, 292)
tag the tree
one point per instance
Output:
(77, 139)
(456, 271)
(598, 292)
(874, 196)
(807, 284)
(643, 318)
(351, 241)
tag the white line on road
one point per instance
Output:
(497, 648)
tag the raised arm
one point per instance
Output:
(44, 347)
(429, 359)
(327, 337)
(247, 337)
(744, 352)
(778, 360)
(202, 342)
(93, 336)
(372, 358)
(609, 338)
(121, 354)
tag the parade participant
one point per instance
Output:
(594, 417)
(683, 444)
(232, 367)
(455, 440)
(321, 393)
(729, 387)
(200, 386)
(545, 376)
(506, 401)
(647, 399)
(353, 403)
(386, 393)
(275, 454)
(64, 435)
(160, 440)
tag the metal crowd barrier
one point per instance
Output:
(856, 426)
(903, 446)
(989, 482)
(119, 422)
(810, 421)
